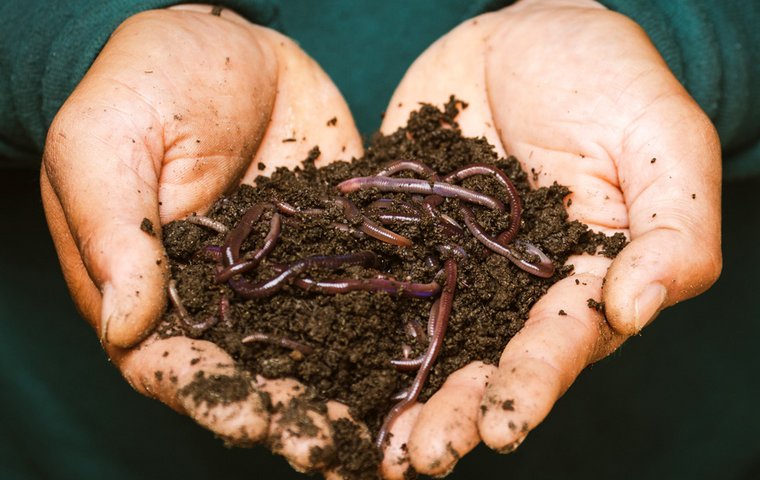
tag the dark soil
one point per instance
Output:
(355, 335)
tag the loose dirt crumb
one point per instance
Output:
(352, 337)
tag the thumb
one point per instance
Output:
(670, 174)
(100, 193)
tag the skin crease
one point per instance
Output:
(153, 131)
(580, 96)
(588, 107)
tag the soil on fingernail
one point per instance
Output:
(346, 341)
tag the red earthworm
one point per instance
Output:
(207, 222)
(249, 289)
(195, 329)
(247, 264)
(401, 165)
(236, 236)
(393, 287)
(430, 201)
(544, 268)
(398, 217)
(369, 227)
(415, 330)
(279, 341)
(515, 205)
(224, 310)
(414, 185)
(431, 354)
(289, 209)
(409, 364)
(400, 394)
(452, 249)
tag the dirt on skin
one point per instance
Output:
(354, 336)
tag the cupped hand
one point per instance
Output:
(181, 106)
(581, 97)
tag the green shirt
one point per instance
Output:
(46, 47)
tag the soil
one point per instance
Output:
(352, 337)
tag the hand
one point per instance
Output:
(580, 96)
(179, 107)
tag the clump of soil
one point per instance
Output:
(353, 336)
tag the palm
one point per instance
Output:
(580, 96)
(180, 107)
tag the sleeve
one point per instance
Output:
(713, 47)
(46, 48)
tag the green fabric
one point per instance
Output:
(46, 48)
(678, 403)
(713, 47)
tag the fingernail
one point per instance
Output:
(647, 305)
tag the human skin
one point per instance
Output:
(580, 96)
(180, 107)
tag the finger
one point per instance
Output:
(299, 429)
(199, 379)
(670, 173)
(108, 197)
(447, 427)
(354, 449)
(454, 65)
(212, 98)
(396, 463)
(634, 148)
(561, 337)
(309, 112)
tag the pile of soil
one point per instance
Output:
(353, 336)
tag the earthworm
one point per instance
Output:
(224, 310)
(414, 185)
(409, 364)
(444, 302)
(398, 217)
(289, 209)
(400, 394)
(236, 236)
(249, 289)
(431, 201)
(369, 227)
(279, 341)
(515, 205)
(415, 330)
(393, 287)
(207, 222)
(195, 328)
(401, 165)
(247, 264)
(452, 249)
(431, 262)
(544, 268)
